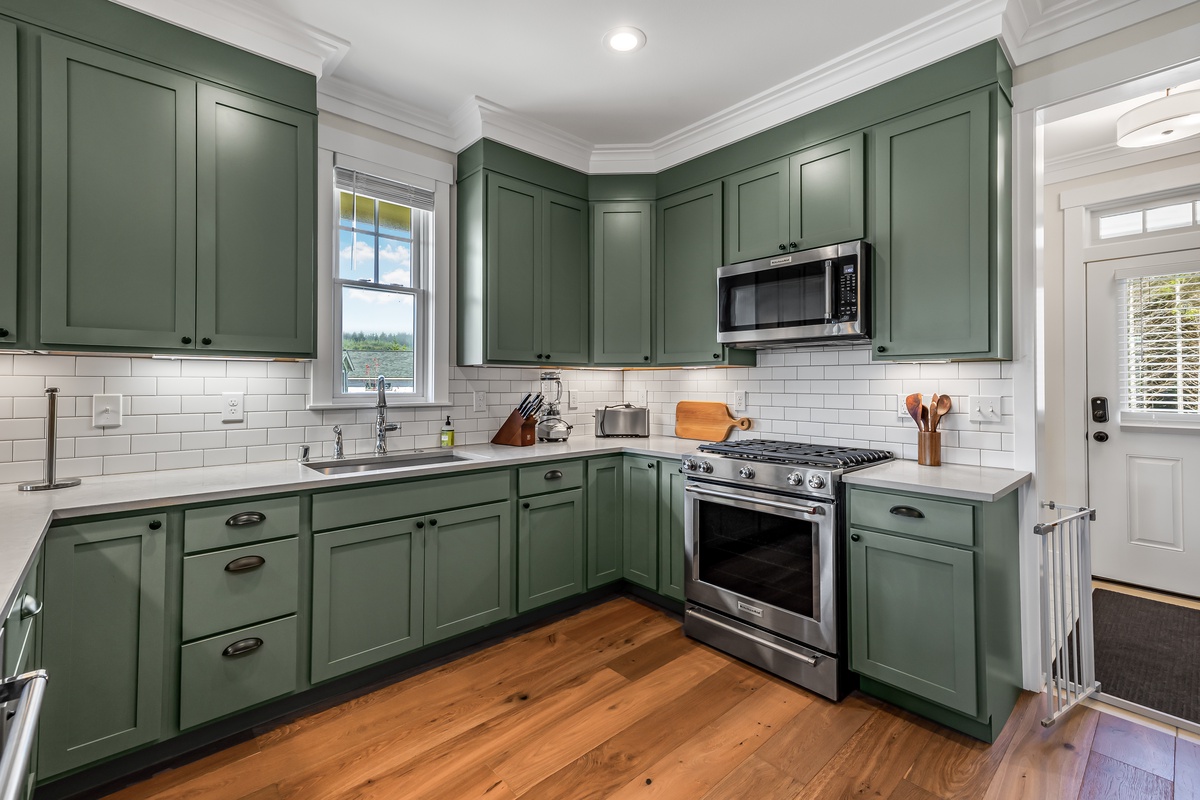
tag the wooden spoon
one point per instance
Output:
(943, 408)
(913, 404)
(933, 415)
(924, 418)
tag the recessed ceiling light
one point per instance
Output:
(624, 40)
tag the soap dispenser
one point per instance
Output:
(447, 433)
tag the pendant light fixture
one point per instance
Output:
(1167, 119)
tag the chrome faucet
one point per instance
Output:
(337, 442)
(382, 426)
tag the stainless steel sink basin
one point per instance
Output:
(346, 466)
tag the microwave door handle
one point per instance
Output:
(829, 290)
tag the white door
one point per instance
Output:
(1143, 345)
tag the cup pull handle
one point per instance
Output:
(553, 475)
(907, 511)
(30, 606)
(242, 646)
(246, 518)
(245, 564)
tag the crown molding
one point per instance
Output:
(1034, 29)
(1107, 158)
(378, 110)
(480, 117)
(248, 25)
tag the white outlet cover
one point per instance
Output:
(480, 401)
(106, 410)
(639, 397)
(233, 406)
(739, 401)
(901, 407)
(985, 408)
(573, 398)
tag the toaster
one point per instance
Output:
(623, 420)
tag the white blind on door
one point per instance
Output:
(1158, 335)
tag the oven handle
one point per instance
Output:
(814, 510)
(810, 660)
(14, 762)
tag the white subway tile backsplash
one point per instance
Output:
(141, 462)
(43, 365)
(22, 385)
(202, 368)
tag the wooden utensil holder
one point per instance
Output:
(929, 448)
(517, 431)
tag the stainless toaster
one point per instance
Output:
(622, 420)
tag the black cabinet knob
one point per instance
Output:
(650, 465)
(794, 245)
(645, 358)
(854, 537)
(716, 355)
(186, 340)
(547, 356)
(539, 355)
(524, 505)
(420, 524)
(155, 524)
(881, 349)
(206, 340)
(783, 247)
(433, 522)
(3, 332)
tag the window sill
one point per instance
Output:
(393, 402)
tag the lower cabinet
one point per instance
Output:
(103, 640)
(550, 544)
(468, 569)
(367, 596)
(640, 528)
(605, 520)
(670, 529)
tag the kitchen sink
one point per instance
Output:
(346, 466)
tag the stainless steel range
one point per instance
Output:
(763, 548)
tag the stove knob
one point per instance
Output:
(705, 467)
(689, 464)
(746, 472)
(796, 478)
(816, 482)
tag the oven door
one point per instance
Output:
(764, 558)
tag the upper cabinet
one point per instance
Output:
(622, 267)
(941, 230)
(812, 198)
(689, 252)
(9, 162)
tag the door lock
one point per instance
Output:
(1100, 436)
(1099, 409)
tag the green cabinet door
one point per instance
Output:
(102, 640)
(367, 595)
(564, 280)
(550, 544)
(640, 528)
(932, 232)
(256, 190)
(514, 294)
(912, 617)
(670, 529)
(118, 200)
(622, 267)
(827, 185)
(689, 252)
(757, 216)
(468, 569)
(605, 520)
(9, 160)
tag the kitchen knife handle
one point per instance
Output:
(907, 511)
(245, 564)
(246, 518)
(242, 646)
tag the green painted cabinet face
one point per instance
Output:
(102, 640)
(670, 529)
(912, 617)
(118, 200)
(468, 569)
(622, 266)
(514, 295)
(367, 596)
(640, 529)
(605, 520)
(827, 185)
(689, 252)
(550, 544)
(564, 279)
(757, 212)
(933, 215)
(255, 225)
(9, 160)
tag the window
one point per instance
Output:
(381, 284)
(1148, 218)
(1158, 331)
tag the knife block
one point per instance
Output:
(517, 431)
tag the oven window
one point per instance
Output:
(762, 556)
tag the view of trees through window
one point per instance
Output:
(1160, 337)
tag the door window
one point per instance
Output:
(1158, 336)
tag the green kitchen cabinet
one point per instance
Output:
(605, 520)
(468, 569)
(255, 217)
(103, 640)
(671, 532)
(806, 200)
(118, 201)
(565, 302)
(368, 595)
(550, 548)
(622, 285)
(941, 209)
(640, 521)
(9, 165)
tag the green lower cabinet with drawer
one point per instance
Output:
(550, 545)
(934, 605)
(239, 586)
(468, 569)
(605, 509)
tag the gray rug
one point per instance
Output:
(1148, 652)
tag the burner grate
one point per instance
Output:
(797, 453)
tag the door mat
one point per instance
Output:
(1148, 652)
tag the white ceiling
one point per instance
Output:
(1095, 131)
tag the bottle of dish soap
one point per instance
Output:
(447, 434)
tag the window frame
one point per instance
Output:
(1141, 207)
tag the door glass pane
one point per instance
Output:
(377, 339)
(1158, 331)
(766, 557)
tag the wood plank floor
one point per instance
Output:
(614, 702)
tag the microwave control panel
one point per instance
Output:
(846, 291)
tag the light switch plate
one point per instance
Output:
(639, 397)
(232, 406)
(984, 408)
(106, 410)
(480, 401)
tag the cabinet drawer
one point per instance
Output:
(214, 680)
(550, 477)
(914, 515)
(226, 589)
(410, 499)
(240, 523)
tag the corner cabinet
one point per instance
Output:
(941, 223)
(640, 529)
(605, 520)
(9, 165)
(622, 268)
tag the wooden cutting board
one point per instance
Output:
(707, 421)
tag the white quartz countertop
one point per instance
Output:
(949, 480)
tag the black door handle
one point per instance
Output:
(1100, 436)
(907, 511)
(246, 518)
(854, 537)
(245, 564)
(242, 646)
(553, 475)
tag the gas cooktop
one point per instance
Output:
(779, 452)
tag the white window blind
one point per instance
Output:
(1158, 334)
(348, 180)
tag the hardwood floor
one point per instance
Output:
(614, 702)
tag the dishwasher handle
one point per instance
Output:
(30, 688)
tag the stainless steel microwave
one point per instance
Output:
(810, 296)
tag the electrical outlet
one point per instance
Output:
(984, 408)
(901, 408)
(639, 397)
(481, 401)
(573, 398)
(232, 406)
(739, 401)
(106, 410)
